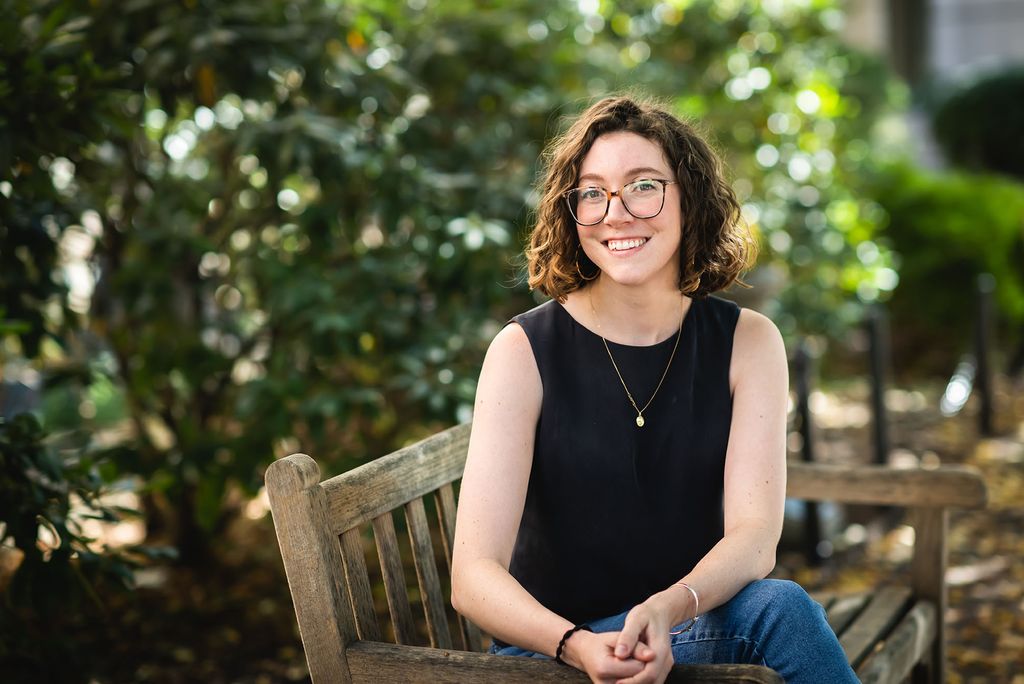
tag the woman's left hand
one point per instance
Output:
(644, 636)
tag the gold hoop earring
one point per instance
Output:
(580, 272)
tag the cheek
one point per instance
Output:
(592, 249)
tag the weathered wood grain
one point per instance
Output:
(843, 610)
(388, 663)
(394, 578)
(955, 486)
(907, 644)
(312, 563)
(396, 479)
(885, 608)
(426, 575)
(358, 581)
(928, 581)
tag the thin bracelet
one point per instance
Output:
(696, 609)
(565, 637)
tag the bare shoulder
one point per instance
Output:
(754, 329)
(510, 353)
(510, 369)
(511, 343)
(758, 347)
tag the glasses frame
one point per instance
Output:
(609, 194)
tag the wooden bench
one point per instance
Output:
(888, 634)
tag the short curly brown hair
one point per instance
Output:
(716, 245)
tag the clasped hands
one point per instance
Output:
(639, 654)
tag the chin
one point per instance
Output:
(630, 277)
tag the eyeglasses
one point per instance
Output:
(643, 199)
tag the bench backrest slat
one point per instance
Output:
(394, 578)
(354, 559)
(445, 500)
(426, 575)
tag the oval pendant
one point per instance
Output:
(639, 421)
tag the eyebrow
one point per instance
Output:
(632, 172)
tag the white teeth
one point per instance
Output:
(618, 245)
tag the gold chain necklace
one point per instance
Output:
(639, 411)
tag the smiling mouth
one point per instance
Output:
(625, 245)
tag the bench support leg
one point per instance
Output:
(928, 580)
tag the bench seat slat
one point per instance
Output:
(394, 578)
(426, 575)
(386, 663)
(884, 610)
(826, 599)
(902, 649)
(359, 585)
(843, 610)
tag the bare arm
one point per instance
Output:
(492, 497)
(491, 503)
(754, 495)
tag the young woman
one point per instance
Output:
(626, 471)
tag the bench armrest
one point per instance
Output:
(946, 486)
(373, 661)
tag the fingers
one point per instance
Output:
(617, 667)
(625, 644)
(602, 666)
(643, 652)
(630, 634)
(652, 672)
(645, 676)
(614, 669)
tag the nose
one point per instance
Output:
(617, 212)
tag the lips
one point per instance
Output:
(625, 244)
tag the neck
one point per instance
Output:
(636, 315)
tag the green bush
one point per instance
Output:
(301, 217)
(947, 229)
(54, 588)
(979, 127)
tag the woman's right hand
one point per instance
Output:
(595, 655)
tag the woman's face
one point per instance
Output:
(629, 250)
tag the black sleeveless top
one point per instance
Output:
(615, 513)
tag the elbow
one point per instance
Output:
(458, 600)
(766, 552)
(766, 562)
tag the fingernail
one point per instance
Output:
(620, 650)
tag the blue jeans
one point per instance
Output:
(769, 622)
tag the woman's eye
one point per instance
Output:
(644, 186)
(591, 194)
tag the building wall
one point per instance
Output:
(968, 36)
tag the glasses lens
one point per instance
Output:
(644, 198)
(588, 205)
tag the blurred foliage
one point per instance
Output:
(295, 224)
(45, 497)
(949, 228)
(979, 125)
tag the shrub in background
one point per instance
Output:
(57, 569)
(979, 127)
(947, 229)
